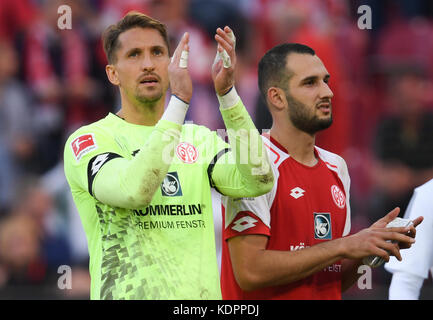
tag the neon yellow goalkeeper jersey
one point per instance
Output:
(165, 250)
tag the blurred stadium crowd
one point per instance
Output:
(53, 81)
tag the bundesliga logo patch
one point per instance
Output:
(82, 145)
(244, 223)
(322, 226)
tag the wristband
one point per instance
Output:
(176, 110)
(230, 99)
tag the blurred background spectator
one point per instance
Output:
(33, 244)
(403, 141)
(53, 81)
(16, 127)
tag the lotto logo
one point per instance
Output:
(244, 223)
(82, 145)
(98, 162)
(297, 192)
(186, 152)
(338, 196)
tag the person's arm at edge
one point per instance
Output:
(405, 286)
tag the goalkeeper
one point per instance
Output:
(142, 180)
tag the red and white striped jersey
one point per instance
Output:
(307, 205)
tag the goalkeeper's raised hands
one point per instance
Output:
(225, 62)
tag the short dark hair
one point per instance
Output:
(272, 67)
(131, 20)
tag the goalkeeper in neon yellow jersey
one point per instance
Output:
(142, 180)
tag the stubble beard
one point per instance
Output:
(146, 99)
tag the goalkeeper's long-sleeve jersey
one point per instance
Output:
(144, 197)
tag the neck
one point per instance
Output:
(136, 112)
(299, 144)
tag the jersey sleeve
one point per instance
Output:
(244, 169)
(345, 177)
(94, 163)
(405, 286)
(417, 260)
(86, 152)
(244, 216)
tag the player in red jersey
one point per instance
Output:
(294, 242)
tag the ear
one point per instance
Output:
(111, 72)
(276, 98)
